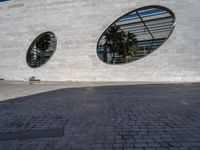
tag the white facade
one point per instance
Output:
(78, 25)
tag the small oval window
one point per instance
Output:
(135, 35)
(41, 49)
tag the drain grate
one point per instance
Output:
(32, 134)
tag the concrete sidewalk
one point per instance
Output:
(14, 89)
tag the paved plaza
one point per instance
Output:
(89, 117)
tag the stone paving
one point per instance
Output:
(131, 117)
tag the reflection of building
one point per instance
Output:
(78, 25)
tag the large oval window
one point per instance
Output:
(136, 34)
(41, 49)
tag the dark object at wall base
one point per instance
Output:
(33, 80)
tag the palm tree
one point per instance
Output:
(130, 45)
(113, 39)
(43, 43)
(120, 42)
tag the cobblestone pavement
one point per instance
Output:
(132, 117)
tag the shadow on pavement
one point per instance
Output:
(158, 116)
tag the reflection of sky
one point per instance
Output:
(142, 13)
(4, 0)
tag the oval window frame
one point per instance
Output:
(139, 9)
(33, 43)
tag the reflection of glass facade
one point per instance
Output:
(41, 49)
(151, 26)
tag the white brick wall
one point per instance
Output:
(78, 24)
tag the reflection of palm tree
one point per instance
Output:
(44, 43)
(130, 45)
(113, 39)
(42, 46)
(120, 42)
